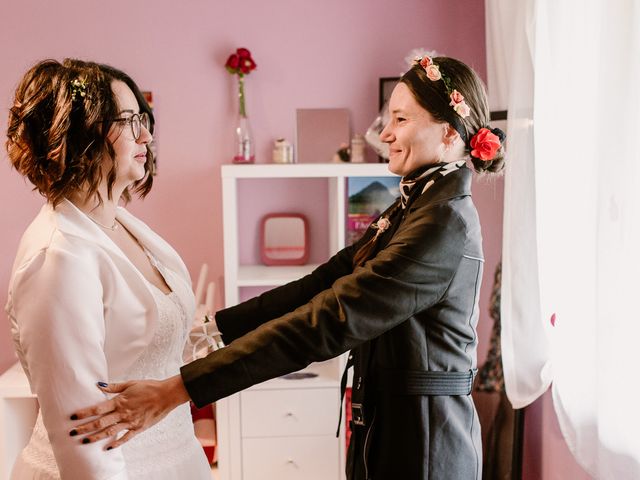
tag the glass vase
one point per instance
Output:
(244, 142)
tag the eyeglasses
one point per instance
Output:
(137, 121)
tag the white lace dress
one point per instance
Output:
(167, 451)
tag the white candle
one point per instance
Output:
(202, 278)
(209, 300)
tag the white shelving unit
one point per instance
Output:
(284, 429)
(236, 275)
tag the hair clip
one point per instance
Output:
(78, 89)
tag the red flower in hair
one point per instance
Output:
(484, 145)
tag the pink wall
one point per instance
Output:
(546, 454)
(309, 54)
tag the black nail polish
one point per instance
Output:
(74, 417)
(85, 440)
(73, 432)
(109, 448)
(103, 385)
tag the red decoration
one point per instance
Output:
(484, 145)
(240, 63)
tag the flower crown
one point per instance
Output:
(78, 89)
(487, 141)
(434, 74)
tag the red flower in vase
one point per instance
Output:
(240, 63)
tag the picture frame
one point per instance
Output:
(320, 133)
(385, 87)
(367, 198)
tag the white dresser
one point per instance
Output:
(288, 428)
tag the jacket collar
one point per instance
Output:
(455, 184)
(72, 221)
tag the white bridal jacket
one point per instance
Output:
(80, 313)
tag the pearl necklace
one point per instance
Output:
(113, 227)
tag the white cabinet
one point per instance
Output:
(284, 429)
(308, 458)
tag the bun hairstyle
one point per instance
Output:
(58, 127)
(434, 96)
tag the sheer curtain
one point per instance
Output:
(572, 224)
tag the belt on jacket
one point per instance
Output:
(420, 382)
(417, 382)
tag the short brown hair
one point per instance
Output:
(433, 97)
(58, 140)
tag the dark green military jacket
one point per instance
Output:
(409, 311)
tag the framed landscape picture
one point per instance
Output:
(367, 198)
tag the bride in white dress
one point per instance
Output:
(94, 295)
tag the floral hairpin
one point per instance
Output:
(78, 89)
(486, 143)
(434, 74)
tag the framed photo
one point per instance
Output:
(385, 88)
(367, 197)
(320, 133)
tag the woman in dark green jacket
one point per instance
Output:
(403, 299)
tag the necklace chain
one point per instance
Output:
(113, 227)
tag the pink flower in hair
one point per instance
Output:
(456, 97)
(462, 109)
(433, 73)
(426, 61)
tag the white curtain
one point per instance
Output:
(510, 52)
(572, 223)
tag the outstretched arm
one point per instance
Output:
(138, 406)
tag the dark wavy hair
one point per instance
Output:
(433, 97)
(60, 142)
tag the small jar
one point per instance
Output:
(357, 149)
(282, 151)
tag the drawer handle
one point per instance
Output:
(292, 463)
